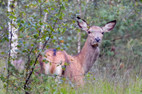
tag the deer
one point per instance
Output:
(75, 67)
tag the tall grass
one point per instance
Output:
(93, 85)
(96, 86)
(106, 77)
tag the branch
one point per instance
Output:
(121, 37)
(31, 72)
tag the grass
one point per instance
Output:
(96, 86)
(2, 90)
(125, 81)
(105, 87)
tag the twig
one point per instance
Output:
(28, 66)
(29, 59)
(31, 72)
(117, 38)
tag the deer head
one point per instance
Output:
(95, 33)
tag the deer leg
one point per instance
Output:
(58, 72)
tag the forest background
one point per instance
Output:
(53, 23)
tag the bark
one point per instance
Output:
(12, 31)
(42, 29)
(79, 33)
(81, 15)
(13, 39)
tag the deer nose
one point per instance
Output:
(97, 39)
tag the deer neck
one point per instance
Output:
(88, 56)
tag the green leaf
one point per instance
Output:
(2, 53)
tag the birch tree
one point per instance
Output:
(43, 26)
(12, 27)
(42, 29)
(81, 14)
(79, 33)
(13, 36)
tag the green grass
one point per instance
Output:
(101, 86)
(94, 85)
(105, 87)
(2, 90)
(98, 86)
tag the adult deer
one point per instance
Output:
(77, 66)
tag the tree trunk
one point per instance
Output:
(13, 38)
(42, 30)
(12, 32)
(79, 33)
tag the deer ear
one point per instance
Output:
(109, 26)
(82, 24)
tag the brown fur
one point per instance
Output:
(81, 63)
(54, 61)
(52, 68)
(76, 66)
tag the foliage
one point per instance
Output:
(121, 50)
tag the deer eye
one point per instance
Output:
(102, 32)
(89, 32)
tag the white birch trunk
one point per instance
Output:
(79, 33)
(12, 32)
(78, 42)
(42, 30)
